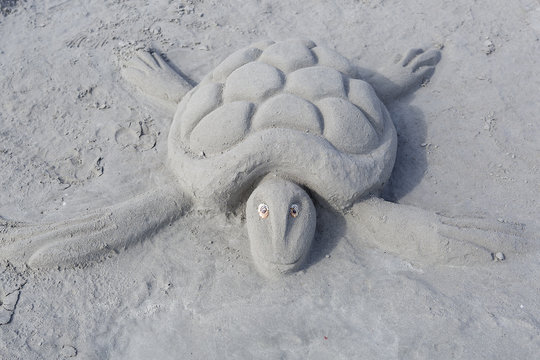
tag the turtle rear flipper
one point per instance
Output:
(151, 74)
(404, 76)
(78, 240)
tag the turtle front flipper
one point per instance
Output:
(403, 76)
(79, 240)
(151, 74)
(428, 238)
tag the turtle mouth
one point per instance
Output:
(278, 263)
(273, 268)
(284, 263)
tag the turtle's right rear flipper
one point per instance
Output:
(151, 74)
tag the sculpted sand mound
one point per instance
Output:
(274, 107)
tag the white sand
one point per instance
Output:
(74, 136)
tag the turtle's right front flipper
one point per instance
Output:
(79, 240)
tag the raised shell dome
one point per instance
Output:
(273, 104)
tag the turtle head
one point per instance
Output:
(281, 221)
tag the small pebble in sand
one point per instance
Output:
(488, 47)
(68, 351)
(499, 256)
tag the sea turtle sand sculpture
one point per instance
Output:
(275, 126)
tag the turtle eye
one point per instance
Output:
(263, 211)
(294, 210)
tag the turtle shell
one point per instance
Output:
(291, 108)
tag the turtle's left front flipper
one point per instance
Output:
(428, 238)
(79, 240)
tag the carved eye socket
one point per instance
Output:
(294, 210)
(263, 211)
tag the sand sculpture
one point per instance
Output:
(275, 126)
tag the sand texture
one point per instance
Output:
(452, 272)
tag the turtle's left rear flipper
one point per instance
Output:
(403, 77)
(79, 240)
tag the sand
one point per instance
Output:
(75, 137)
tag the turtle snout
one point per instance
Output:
(282, 247)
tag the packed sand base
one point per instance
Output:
(76, 137)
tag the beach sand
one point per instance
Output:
(76, 137)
